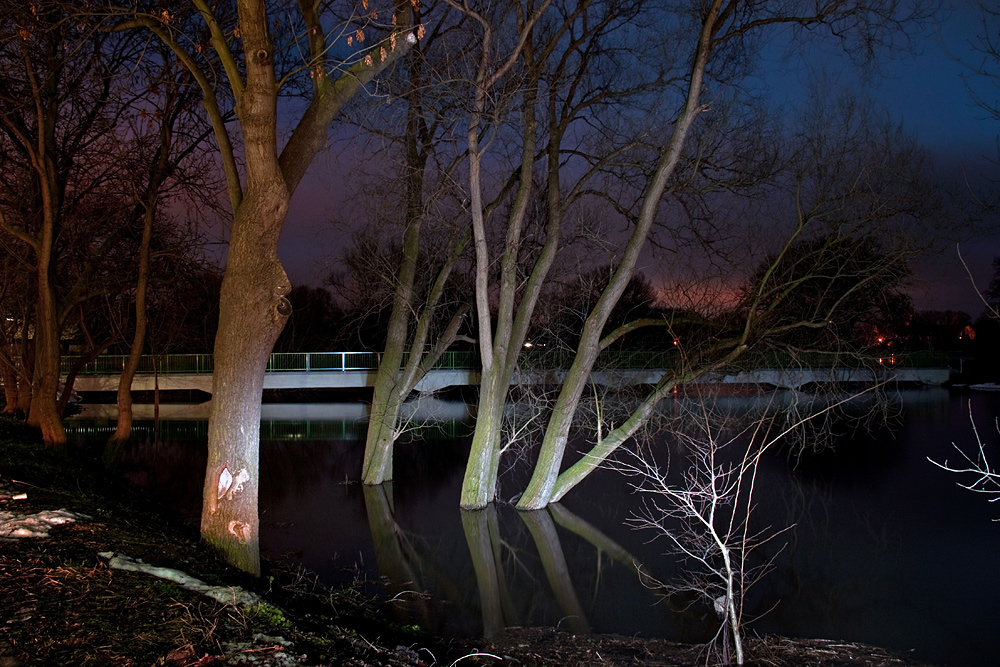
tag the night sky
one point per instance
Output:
(925, 91)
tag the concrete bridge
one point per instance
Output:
(342, 370)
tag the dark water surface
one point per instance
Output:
(885, 548)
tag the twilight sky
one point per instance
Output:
(926, 92)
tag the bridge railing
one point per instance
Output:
(112, 364)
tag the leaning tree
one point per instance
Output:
(574, 75)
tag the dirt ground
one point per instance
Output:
(61, 603)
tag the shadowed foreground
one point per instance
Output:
(61, 603)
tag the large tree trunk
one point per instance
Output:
(479, 485)
(253, 310)
(252, 307)
(388, 393)
(377, 467)
(399, 382)
(44, 414)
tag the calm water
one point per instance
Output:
(885, 547)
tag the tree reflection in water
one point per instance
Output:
(886, 549)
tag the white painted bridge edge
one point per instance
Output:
(785, 378)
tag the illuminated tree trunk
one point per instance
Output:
(252, 307)
(479, 485)
(377, 465)
(396, 379)
(389, 394)
(500, 346)
(539, 491)
(252, 312)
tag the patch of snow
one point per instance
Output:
(14, 525)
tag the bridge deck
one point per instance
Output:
(789, 378)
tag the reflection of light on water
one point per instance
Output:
(422, 409)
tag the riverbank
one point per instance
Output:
(64, 600)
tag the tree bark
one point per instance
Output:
(498, 347)
(252, 307)
(123, 428)
(44, 414)
(388, 393)
(252, 312)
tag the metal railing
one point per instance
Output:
(469, 360)
(114, 364)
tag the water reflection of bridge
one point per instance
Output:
(428, 418)
(345, 370)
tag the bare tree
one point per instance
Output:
(60, 102)
(529, 52)
(168, 133)
(416, 305)
(706, 518)
(253, 304)
(842, 195)
(705, 507)
(977, 467)
(558, 70)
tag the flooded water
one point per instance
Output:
(883, 547)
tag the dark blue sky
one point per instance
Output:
(925, 91)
